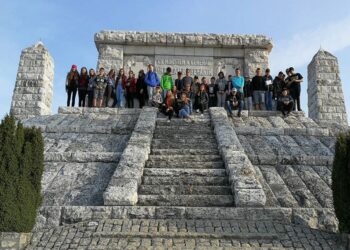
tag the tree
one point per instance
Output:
(21, 169)
(341, 181)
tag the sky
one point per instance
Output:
(298, 30)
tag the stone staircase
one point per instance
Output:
(185, 167)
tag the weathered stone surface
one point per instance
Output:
(326, 99)
(33, 91)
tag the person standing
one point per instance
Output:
(179, 82)
(100, 88)
(120, 88)
(141, 88)
(258, 88)
(238, 81)
(91, 87)
(152, 81)
(201, 99)
(248, 94)
(110, 89)
(166, 82)
(82, 86)
(72, 85)
(269, 89)
(294, 81)
(130, 89)
(187, 80)
(212, 92)
(222, 88)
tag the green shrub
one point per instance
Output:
(21, 169)
(341, 181)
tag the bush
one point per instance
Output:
(21, 169)
(341, 181)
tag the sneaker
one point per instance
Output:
(168, 121)
(197, 111)
(239, 114)
(202, 115)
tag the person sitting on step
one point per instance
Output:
(234, 101)
(169, 105)
(285, 102)
(184, 108)
(157, 98)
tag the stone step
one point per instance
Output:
(197, 146)
(184, 127)
(180, 140)
(184, 164)
(187, 151)
(183, 133)
(184, 172)
(186, 200)
(184, 190)
(171, 158)
(193, 135)
(186, 180)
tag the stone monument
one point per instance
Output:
(204, 54)
(33, 91)
(325, 92)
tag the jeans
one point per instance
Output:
(150, 91)
(82, 96)
(248, 103)
(230, 107)
(221, 99)
(268, 100)
(120, 97)
(184, 112)
(69, 96)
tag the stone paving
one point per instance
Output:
(183, 234)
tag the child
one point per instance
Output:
(189, 95)
(166, 82)
(234, 101)
(130, 88)
(101, 83)
(212, 92)
(202, 99)
(169, 105)
(285, 103)
(157, 98)
(184, 111)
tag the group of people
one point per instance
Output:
(186, 94)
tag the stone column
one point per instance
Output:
(33, 91)
(253, 59)
(110, 57)
(325, 93)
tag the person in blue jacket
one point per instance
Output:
(152, 81)
(238, 81)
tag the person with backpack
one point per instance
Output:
(72, 80)
(130, 89)
(166, 82)
(91, 87)
(82, 86)
(141, 88)
(222, 88)
(152, 81)
(100, 88)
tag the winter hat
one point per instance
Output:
(74, 66)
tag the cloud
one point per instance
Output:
(301, 47)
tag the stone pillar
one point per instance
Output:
(110, 57)
(253, 59)
(33, 91)
(325, 93)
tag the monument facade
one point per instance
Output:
(204, 54)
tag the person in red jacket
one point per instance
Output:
(130, 89)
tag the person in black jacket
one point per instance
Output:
(258, 88)
(201, 99)
(72, 85)
(141, 89)
(278, 85)
(269, 89)
(294, 80)
(248, 94)
(179, 83)
(234, 101)
(285, 102)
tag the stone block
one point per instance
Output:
(121, 192)
(249, 197)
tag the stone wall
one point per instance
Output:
(204, 54)
(325, 93)
(33, 92)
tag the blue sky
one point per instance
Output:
(298, 29)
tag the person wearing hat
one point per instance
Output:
(222, 87)
(278, 85)
(285, 102)
(72, 81)
(234, 101)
